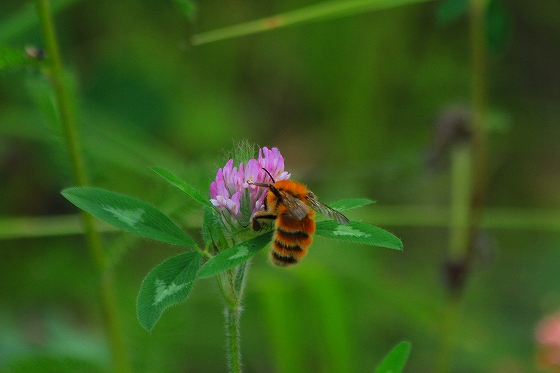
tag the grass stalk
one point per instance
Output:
(315, 12)
(425, 216)
(93, 239)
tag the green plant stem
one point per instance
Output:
(66, 115)
(322, 10)
(231, 284)
(448, 331)
(233, 316)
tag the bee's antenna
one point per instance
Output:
(271, 178)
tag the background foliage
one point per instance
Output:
(352, 102)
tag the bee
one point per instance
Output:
(292, 207)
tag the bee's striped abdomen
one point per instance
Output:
(291, 239)
(285, 255)
(292, 207)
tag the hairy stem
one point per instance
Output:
(232, 285)
(67, 121)
(233, 315)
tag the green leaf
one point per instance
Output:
(213, 228)
(498, 26)
(348, 204)
(395, 360)
(166, 285)
(25, 18)
(240, 277)
(128, 214)
(187, 7)
(498, 22)
(11, 58)
(209, 221)
(48, 363)
(41, 91)
(245, 209)
(358, 232)
(180, 184)
(451, 10)
(234, 256)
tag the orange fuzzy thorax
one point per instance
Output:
(293, 187)
(292, 236)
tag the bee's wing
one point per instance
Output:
(326, 210)
(295, 206)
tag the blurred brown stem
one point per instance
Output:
(479, 103)
(468, 201)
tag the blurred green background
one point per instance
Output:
(352, 103)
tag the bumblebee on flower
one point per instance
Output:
(289, 205)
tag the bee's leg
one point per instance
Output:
(255, 220)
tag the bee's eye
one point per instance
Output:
(310, 195)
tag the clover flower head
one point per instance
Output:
(230, 191)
